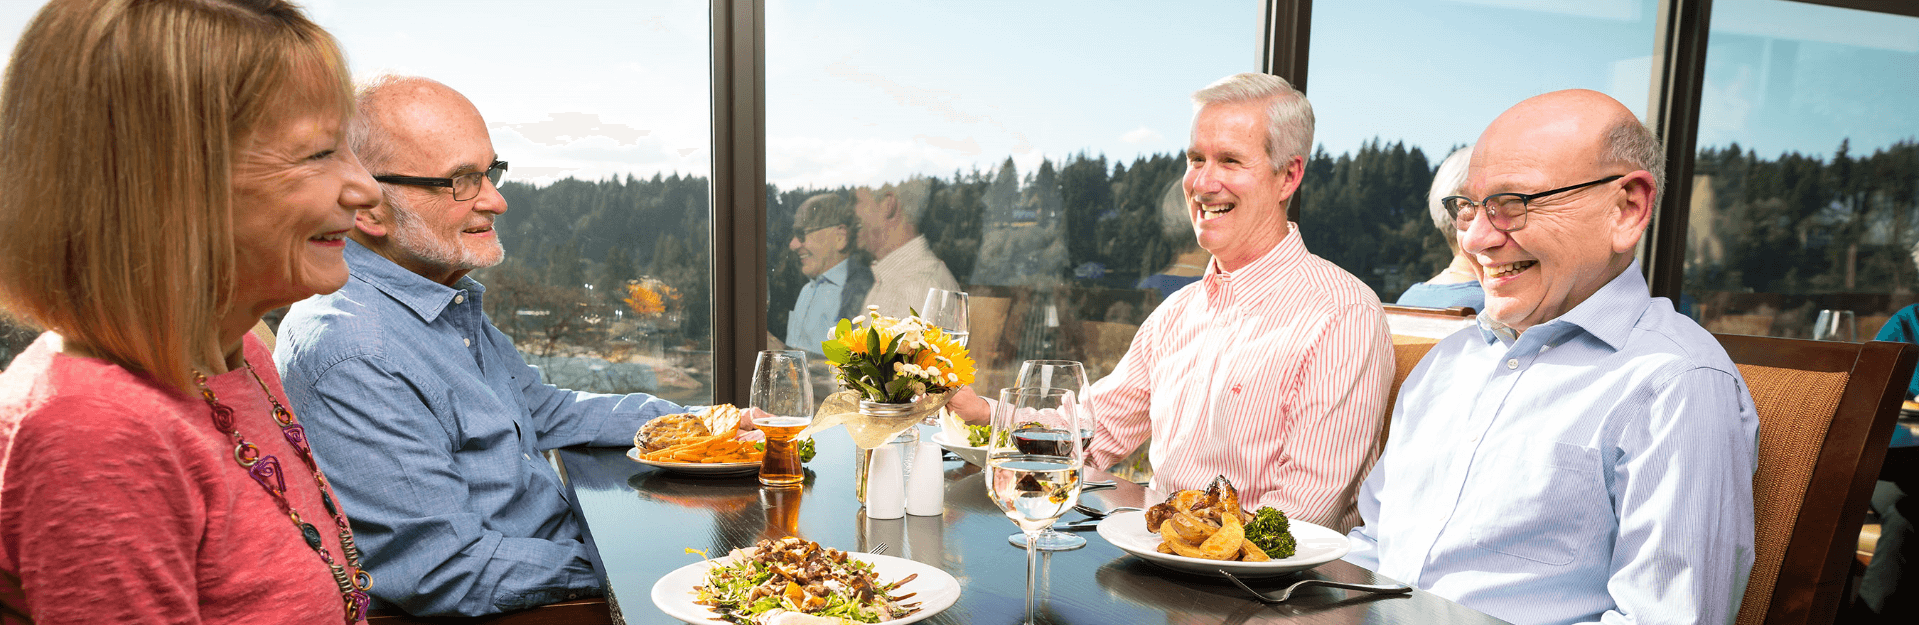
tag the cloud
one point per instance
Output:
(563, 128)
(1141, 134)
(965, 146)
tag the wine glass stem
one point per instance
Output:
(1032, 574)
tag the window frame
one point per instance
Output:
(739, 150)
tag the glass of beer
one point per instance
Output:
(782, 395)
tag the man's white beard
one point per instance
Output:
(414, 236)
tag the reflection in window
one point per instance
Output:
(1804, 191)
(1027, 148)
(1397, 85)
(606, 283)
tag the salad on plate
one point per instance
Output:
(791, 581)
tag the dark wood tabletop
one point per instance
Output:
(641, 519)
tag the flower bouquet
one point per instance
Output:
(893, 371)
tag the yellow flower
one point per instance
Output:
(959, 362)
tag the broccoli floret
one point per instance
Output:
(1271, 532)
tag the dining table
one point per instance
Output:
(641, 521)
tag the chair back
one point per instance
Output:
(1407, 352)
(1826, 411)
(1432, 323)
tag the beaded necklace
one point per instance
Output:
(354, 581)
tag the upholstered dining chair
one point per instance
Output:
(1826, 411)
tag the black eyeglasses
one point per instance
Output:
(802, 234)
(465, 186)
(1508, 209)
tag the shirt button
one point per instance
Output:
(1512, 364)
(469, 342)
(526, 456)
(459, 298)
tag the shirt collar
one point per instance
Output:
(1609, 315)
(424, 297)
(836, 275)
(1263, 275)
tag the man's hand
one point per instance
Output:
(970, 407)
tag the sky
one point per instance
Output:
(870, 91)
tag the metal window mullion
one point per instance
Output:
(738, 193)
(1284, 29)
(1674, 112)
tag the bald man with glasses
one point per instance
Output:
(1586, 453)
(424, 417)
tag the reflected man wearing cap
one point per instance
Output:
(837, 280)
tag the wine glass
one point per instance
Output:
(1033, 464)
(783, 395)
(1834, 325)
(947, 310)
(1070, 376)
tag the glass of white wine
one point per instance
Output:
(1070, 376)
(947, 310)
(1034, 458)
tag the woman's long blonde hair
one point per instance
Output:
(119, 123)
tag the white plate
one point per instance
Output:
(1317, 545)
(972, 455)
(936, 590)
(706, 469)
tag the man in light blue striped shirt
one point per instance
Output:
(1586, 453)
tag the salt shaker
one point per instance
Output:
(886, 482)
(926, 484)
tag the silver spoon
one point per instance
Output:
(1288, 592)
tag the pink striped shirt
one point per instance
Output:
(1275, 376)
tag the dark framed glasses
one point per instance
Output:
(1505, 211)
(465, 186)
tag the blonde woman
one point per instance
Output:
(176, 168)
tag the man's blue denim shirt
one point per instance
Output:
(429, 426)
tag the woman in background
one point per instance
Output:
(1458, 284)
(175, 169)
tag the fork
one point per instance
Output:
(1097, 513)
(1288, 592)
(878, 550)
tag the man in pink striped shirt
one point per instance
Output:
(1273, 369)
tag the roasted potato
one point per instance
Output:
(1224, 544)
(1189, 527)
(1181, 547)
(1249, 552)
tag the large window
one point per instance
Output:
(1803, 196)
(1039, 144)
(1395, 96)
(605, 121)
(1046, 138)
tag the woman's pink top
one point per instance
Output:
(121, 503)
